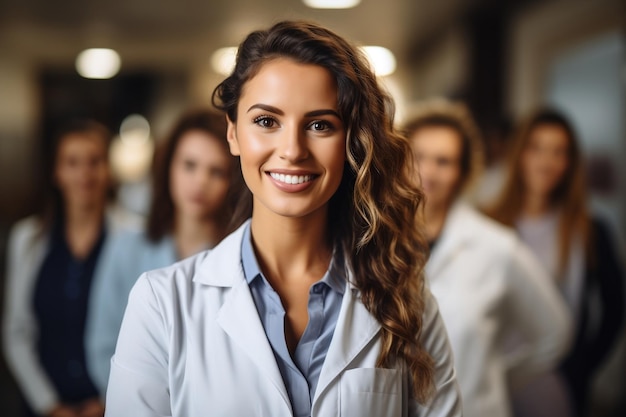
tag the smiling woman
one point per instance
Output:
(316, 305)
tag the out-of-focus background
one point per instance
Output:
(503, 58)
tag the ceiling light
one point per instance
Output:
(98, 63)
(382, 59)
(223, 60)
(331, 4)
(135, 128)
(131, 160)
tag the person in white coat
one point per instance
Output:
(505, 319)
(50, 263)
(316, 306)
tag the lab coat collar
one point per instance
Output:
(355, 329)
(222, 265)
(458, 231)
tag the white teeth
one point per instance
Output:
(291, 179)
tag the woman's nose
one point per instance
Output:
(293, 145)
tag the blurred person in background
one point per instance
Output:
(50, 264)
(545, 200)
(488, 284)
(193, 198)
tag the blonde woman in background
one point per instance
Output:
(545, 200)
(490, 288)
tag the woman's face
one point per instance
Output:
(199, 175)
(437, 152)
(82, 170)
(290, 138)
(545, 159)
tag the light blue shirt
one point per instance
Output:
(301, 372)
(125, 257)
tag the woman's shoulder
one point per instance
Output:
(605, 242)
(120, 219)
(27, 230)
(487, 231)
(130, 237)
(171, 285)
(27, 226)
(135, 250)
(600, 228)
(219, 267)
(183, 270)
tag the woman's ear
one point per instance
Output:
(231, 136)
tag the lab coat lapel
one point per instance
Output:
(356, 327)
(240, 320)
(238, 316)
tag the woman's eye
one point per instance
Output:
(189, 165)
(320, 125)
(218, 173)
(265, 121)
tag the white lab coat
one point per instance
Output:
(192, 345)
(505, 318)
(26, 251)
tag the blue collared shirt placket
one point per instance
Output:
(300, 373)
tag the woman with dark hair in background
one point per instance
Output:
(193, 192)
(489, 286)
(50, 263)
(544, 198)
(317, 305)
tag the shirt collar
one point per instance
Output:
(334, 277)
(251, 269)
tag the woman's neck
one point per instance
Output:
(194, 235)
(292, 249)
(535, 205)
(434, 219)
(79, 216)
(83, 225)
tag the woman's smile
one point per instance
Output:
(292, 181)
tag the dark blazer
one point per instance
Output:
(604, 281)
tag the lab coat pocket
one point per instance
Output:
(371, 392)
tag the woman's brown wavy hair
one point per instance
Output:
(162, 211)
(372, 214)
(568, 197)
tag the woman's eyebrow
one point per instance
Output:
(275, 110)
(266, 107)
(322, 112)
